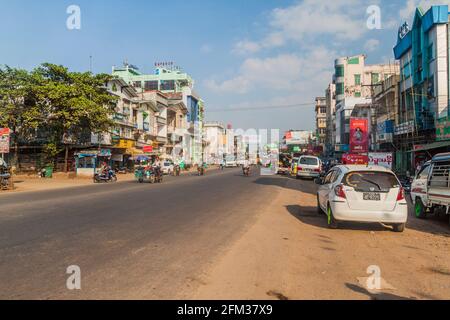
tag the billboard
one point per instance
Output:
(298, 137)
(383, 159)
(349, 158)
(4, 140)
(359, 135)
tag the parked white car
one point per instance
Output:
(430, 188)
(309, 167)
(362, 194)
(167, 167)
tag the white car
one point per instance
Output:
(308, 166)
(231, 163)
(362, 194)
(167, 167)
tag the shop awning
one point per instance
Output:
(431, 146)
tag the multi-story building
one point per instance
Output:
(330, 101)
(172, 81)
(355, 82)
(423, 53)
(386, 99)
(321, 121)
(215, 146)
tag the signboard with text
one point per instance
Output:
(383, 159)
(349, 158)
(4, 140)
(359, 136)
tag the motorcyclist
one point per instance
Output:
(246, 165)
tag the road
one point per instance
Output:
(217, 236)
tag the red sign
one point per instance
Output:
(359, 135)
(4, 140)
(288, 135)
(355, 159)
(147, 149)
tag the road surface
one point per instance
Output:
(218, 236)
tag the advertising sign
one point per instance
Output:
(298, 138)
(383, 159)
(349, 158)
(359, 135)
(147, 149)
(443, 129)
(4, 140)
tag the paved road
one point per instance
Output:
(130, 240)
(218, 236)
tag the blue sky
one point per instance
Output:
(241, 53)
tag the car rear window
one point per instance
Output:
(309, 161)
(370, 181)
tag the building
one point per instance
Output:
(215, 135)
(423, 53)
(386, 98)
(355, 82)
(330, 103)
(169, 81)
(321, 121)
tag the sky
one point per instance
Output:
(271, 55)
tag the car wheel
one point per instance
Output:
(419, 209)
(332, 222)
(319, 209)
(399, 227)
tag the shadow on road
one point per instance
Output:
(309, 215)
(304, 186)
(376, 296)
(436, 224)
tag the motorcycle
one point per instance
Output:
(201, 171)
(246, 171)
(121, 170)
(109, 176)
(5, 177)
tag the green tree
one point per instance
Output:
(76, 104)
(18, 108)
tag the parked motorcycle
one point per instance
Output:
(121, 170)
(5, 176)
(109, 176)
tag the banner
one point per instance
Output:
(4, 140)
(383, 159)
(359, 135)
(355, 159)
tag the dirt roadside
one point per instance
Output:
(289, 253)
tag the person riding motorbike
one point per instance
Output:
(246, 167)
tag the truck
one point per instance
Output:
(430, 189)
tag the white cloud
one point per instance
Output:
(371, 45)
(284, 72)
(408, 10)
(310, 20)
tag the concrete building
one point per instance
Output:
(330, 102)
(355, 82)
(215, 135)
(172, 81)
(423, 53)
(321, 121)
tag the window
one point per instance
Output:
(339, 71)
(357, 94)
(375, 78)
(137, 84)
(167, 85)
(368, 181)
(423, 174)
(339, 88)
(151, 85)
(357, 79)
(309, 161)
(354, 60)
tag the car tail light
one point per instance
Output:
(401, 194)
(339, 191)
(299, 168)
(316, 170)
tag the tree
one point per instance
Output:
(75, 103)
(18, 108)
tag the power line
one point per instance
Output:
(297, 105)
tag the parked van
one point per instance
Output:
(309, 166)
(430, 189)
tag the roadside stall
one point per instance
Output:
(87, 162)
